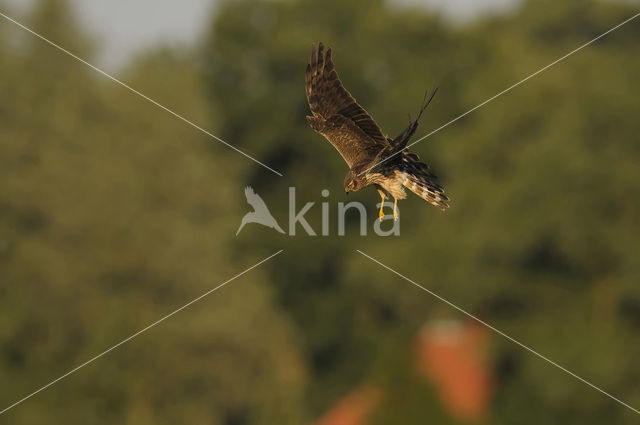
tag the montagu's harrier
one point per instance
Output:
(373, 159)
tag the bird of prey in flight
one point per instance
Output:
(373, 158)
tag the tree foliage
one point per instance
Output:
(114, 213)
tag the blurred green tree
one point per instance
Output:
(113, 213)
(539, 239)
(111, 217)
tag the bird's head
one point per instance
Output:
(352, 182)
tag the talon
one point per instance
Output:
(381, 214)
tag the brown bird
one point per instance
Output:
(373, 159)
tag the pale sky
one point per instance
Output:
(124, 27)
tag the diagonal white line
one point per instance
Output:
(507, 89)
(175, 114)
(137, 333)
(499, 332)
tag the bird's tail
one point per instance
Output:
(418, 179)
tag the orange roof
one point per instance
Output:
(352, 409)
(453, 355)
(449, 353)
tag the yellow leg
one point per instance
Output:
(395, 210)
(381, 214)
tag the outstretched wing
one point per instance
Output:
(337, 115)
(400, 142)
